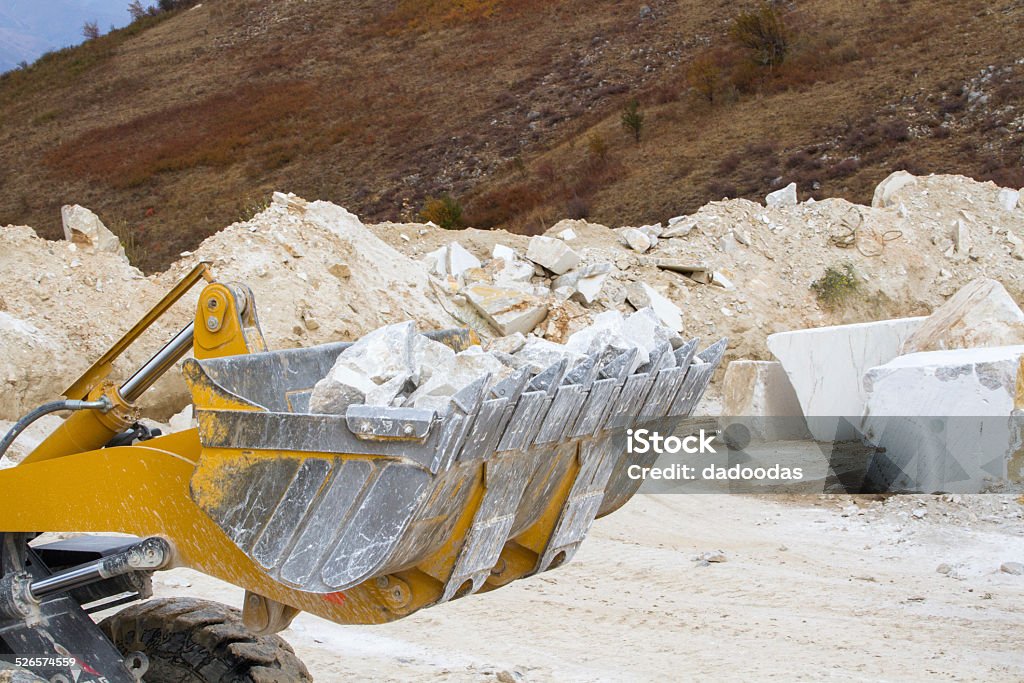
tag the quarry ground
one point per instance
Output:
(814, 588)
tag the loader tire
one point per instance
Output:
(198, 641)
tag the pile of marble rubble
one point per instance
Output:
(397, 366)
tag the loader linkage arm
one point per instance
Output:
(225, 324)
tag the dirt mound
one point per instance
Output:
(904, 258)
(61, 307)
(317, 274)
(320, 275)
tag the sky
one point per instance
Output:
(28, 28)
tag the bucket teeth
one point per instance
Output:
(512, 386)
(619, 367)
(713, 354)
(379, 489)
(661, 358)
(469, 398)
(698, 376)
(549, 379)
(584, 373)
(684, 354)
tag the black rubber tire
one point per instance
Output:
(198, 641)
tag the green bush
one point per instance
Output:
(763, 32)
(445, 211)
(836, 286)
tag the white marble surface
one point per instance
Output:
(826, 364)
(944, 418)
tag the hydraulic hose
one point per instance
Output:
(103, 405)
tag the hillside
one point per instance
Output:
(180, 124)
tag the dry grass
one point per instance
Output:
(176, 124)
(220, 131)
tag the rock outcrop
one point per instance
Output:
(981, 314)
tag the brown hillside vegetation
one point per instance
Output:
(183, 123)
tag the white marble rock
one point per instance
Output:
(825, 366)
(539, 354)
(784, 197)
(642, 295)
(647, 330)
(375, 359)
(885, 191)
(607, 332)
(945, 419)
(458, 260)
(456, 374)
(1007, 198)
(583, 284)
(636, 239)
(85, 229)
(514, 269)
(427, 355)
(437, 262)
(507, 310)
(982, 313)
(759, 395)
(552, 254)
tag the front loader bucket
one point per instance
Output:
(504, 485)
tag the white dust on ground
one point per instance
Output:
(814, 588)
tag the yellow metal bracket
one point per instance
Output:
(226, 322)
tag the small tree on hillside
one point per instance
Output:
(763, 32)
(633, 118)
(705, 77)
(136, 10)
(91, 30)
(444, 211)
